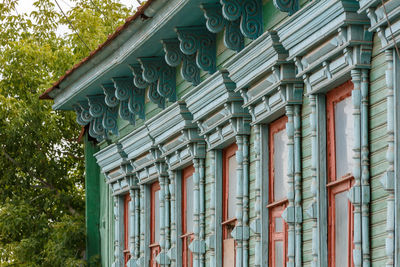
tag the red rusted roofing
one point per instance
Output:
(138, 14)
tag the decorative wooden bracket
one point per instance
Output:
(105, 118)
(131, 99)
(109, 91)
(174, 56)
(233, 38)
(152, 93)
(155, 70)
(287, 6)
(199, 41)
(82, 113)
(249, 12)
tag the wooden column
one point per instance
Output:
(365, 175)
(174, 234)
(355, 191)
(313, 208)
(297, 185)
(388, 178)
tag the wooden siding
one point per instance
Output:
(378, 148)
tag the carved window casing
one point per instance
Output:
(154, 224)
(278, 228)
(340, 141)
(187, 215)
(229, 204)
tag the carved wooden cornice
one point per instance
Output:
(217, 110)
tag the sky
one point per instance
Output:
(26, 6)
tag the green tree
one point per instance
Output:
(41, 163)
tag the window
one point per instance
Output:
(278, 187)
(340, 144)
(155, 224)
(229, 204)
(127, 254)
(187, 215)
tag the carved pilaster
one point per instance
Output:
(355, 191)
(297, 184)
(255, 226)
(249, 12)
(118, 233)
(388, 179)
(365, 176)
(288, 215)
(155, 70)
(174, 56)
(312, 210)
(199, 41)
(172, 251)
(233, 38)
(210, 241)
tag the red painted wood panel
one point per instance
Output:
(127, 254)
(228, 224)
(336, 184)
(154, 247)
(187, 237)
(276, 207)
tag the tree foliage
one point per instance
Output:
(41, 162)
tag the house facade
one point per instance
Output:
(243, 133)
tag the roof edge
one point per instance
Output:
(138, 14)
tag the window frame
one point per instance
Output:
(336, 185)
(154, 247)
(126, 251)
(186, 173)
(275, 207)
(227, 153)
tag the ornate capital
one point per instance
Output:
(155, 70)
(248, 12)
(233, 38)
(199, 41)
(174, 56)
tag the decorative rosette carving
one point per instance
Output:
(156, 70)
(123, 87)
(174, 56)
(110, 120)
(136, 102)
(137, 76)
(288, 6)
(78, 111)
(97, 130)
(233, 37)
(125, 114)
(249, 12)
(109, 91)
(97, 106)
(198, 40)
(155, 97)
(85, 115)
(152, 94)
(131, 99)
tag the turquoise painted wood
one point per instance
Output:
(178, 89)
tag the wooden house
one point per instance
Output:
(243, 133)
